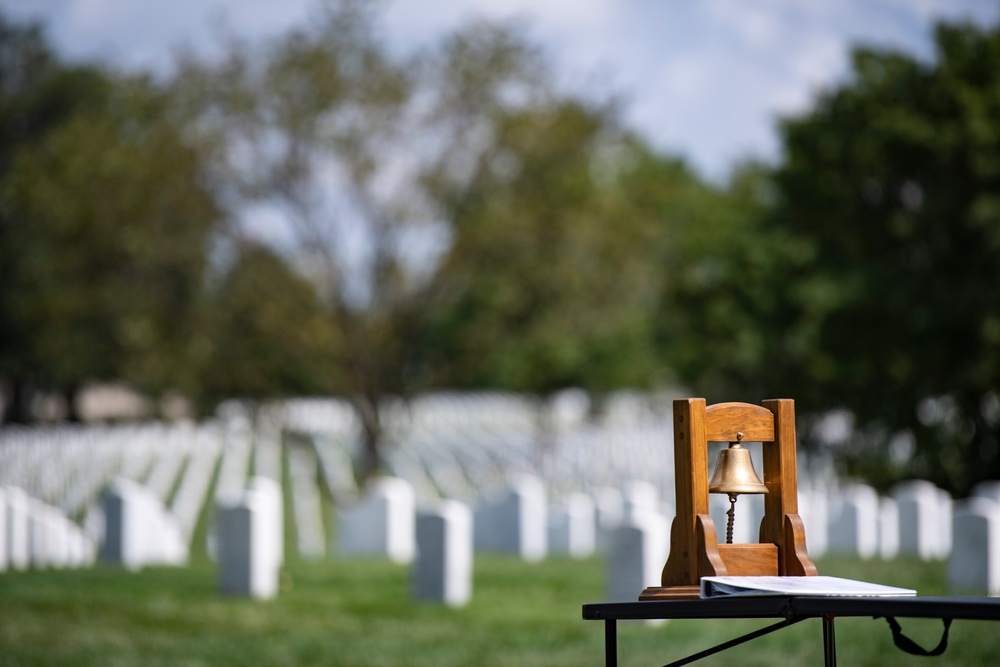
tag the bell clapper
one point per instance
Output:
(732, 515)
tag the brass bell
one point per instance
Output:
(734, 474)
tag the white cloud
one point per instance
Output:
(705, 79)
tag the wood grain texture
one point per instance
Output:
(779, 471)
(671, 593)
(750, 560)
(709, 561)
(796, 560)
(691, 490)
(724, 420)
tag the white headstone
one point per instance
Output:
(637, 552)
(945, 509)
(854, 522)
(888, 528)
(76, 548)
(39, 534)
(571, 526)
(517, 523)
(138, 530)
(610, 508)
(814, 511)
(57, 528)
(125, 519)
(442, 571)
(989, 489)
(274, 513)
(920, 520)
(640, 497)
(171, 547)
(382, 523)
(248, 564)
(18, 542)
(974, 563)
(4, 557)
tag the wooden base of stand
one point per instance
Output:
(750, 560)
(671, 593)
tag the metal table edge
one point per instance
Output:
(793, 607)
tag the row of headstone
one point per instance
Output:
(434, 433)
(36, 534)
(138, 529)
(306, 503)
(853, 519)
(440, 541)
(518, 521)
(637, 543)
(917, 520)
(192, 491)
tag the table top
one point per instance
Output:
(792, 607)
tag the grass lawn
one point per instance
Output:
(359, 613)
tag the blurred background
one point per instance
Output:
(279, 254)
(202, 202)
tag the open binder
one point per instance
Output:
(714, 587)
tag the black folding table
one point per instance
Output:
(791, 610)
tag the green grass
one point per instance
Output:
(359, 613)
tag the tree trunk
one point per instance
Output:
(70, 396)
(17, 408)
(370, 463)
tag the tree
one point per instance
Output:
(106, 237)
(379, 164)
(723, 326)
(37, 93)
(889, 189)
(267, 333)
(549, 285)
(312, 129)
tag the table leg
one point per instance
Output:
(829, 642)
(611, 642)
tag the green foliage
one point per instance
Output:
(470, 146)
(315, 124)
(453, 218)
(890, 188)
(549, 284)
(108, 232)
(265, 333)
(37, 93)
(716, 300)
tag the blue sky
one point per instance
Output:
(706, 80)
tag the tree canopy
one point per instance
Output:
(319, 213)
(888, 302)
(460, 216)
(104, 227)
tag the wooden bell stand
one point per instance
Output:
(694, 548)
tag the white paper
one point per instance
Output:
(712, 587)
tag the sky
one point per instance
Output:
(706, 80)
